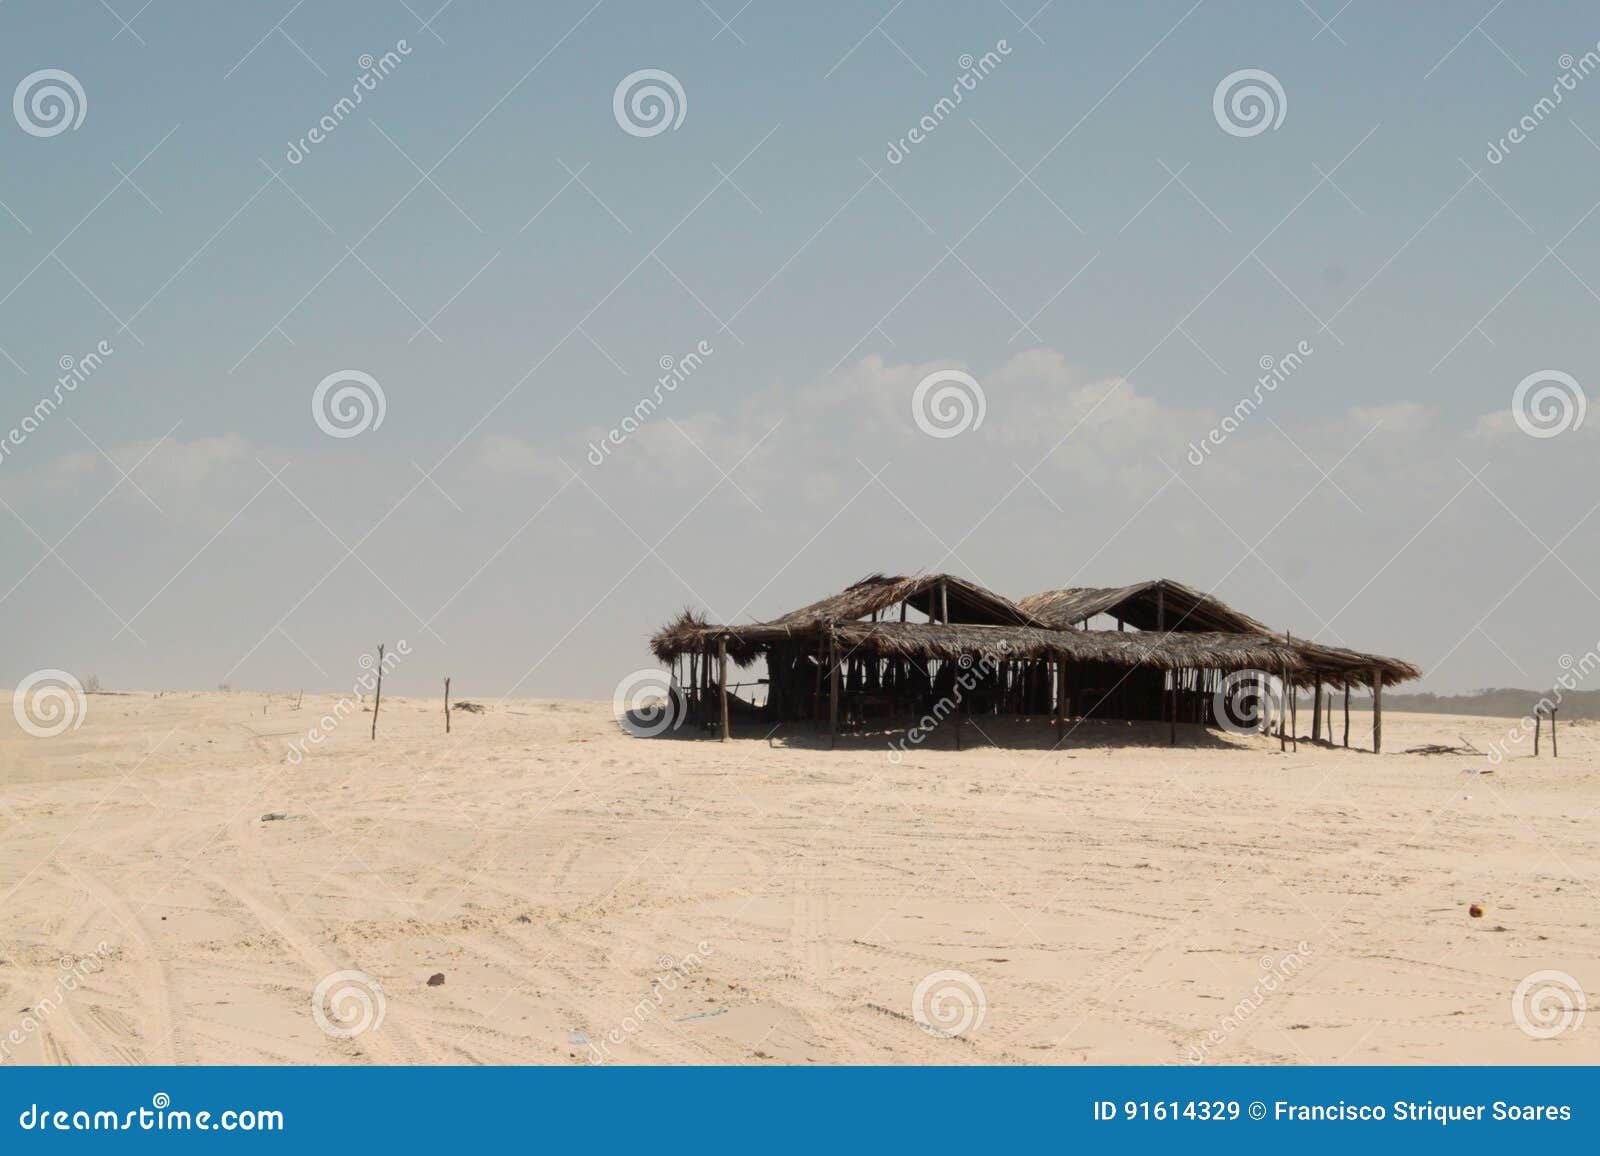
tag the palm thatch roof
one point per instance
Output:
(1201, 632)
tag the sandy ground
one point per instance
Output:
(681, 900)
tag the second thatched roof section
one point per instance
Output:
(1163, 604)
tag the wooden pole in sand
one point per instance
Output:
(833, 688)
(722, 662)
(1347, 713)
(446, 706)
(1172, 732)
(378, 695)
(1377, 711)
(1316, 711)
(1283, 712)
(1061, 699)
(1555, 751)
(1538, 721)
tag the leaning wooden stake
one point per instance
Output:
(377, 696)
(1555, 751)
(447, 706)
(722, 662)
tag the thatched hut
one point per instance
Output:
(890, 648)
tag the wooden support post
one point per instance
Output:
(1538, 721)
(1555, 750)
(1061, 699)
(1161, 608)
(833, 688)
(1316, 711)
(1347, 713)
(378, 695)
(1283, 711)
(1172, 738)
(1377, 712)
(816, 691)
(722, 661)
(446, 706)
(944, 602)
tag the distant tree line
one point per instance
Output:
(1495, 702)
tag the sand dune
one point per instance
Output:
(590, 895)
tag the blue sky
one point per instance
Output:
(483, 239)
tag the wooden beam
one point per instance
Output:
(1173, 729)
(1347, 713)
(446, 706)
(1316, 711)
(944, 601)
(1555, 750)
(722, 662)
(1377, 712)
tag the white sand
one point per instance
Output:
(1113, 905)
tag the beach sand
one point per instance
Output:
(588, 895)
